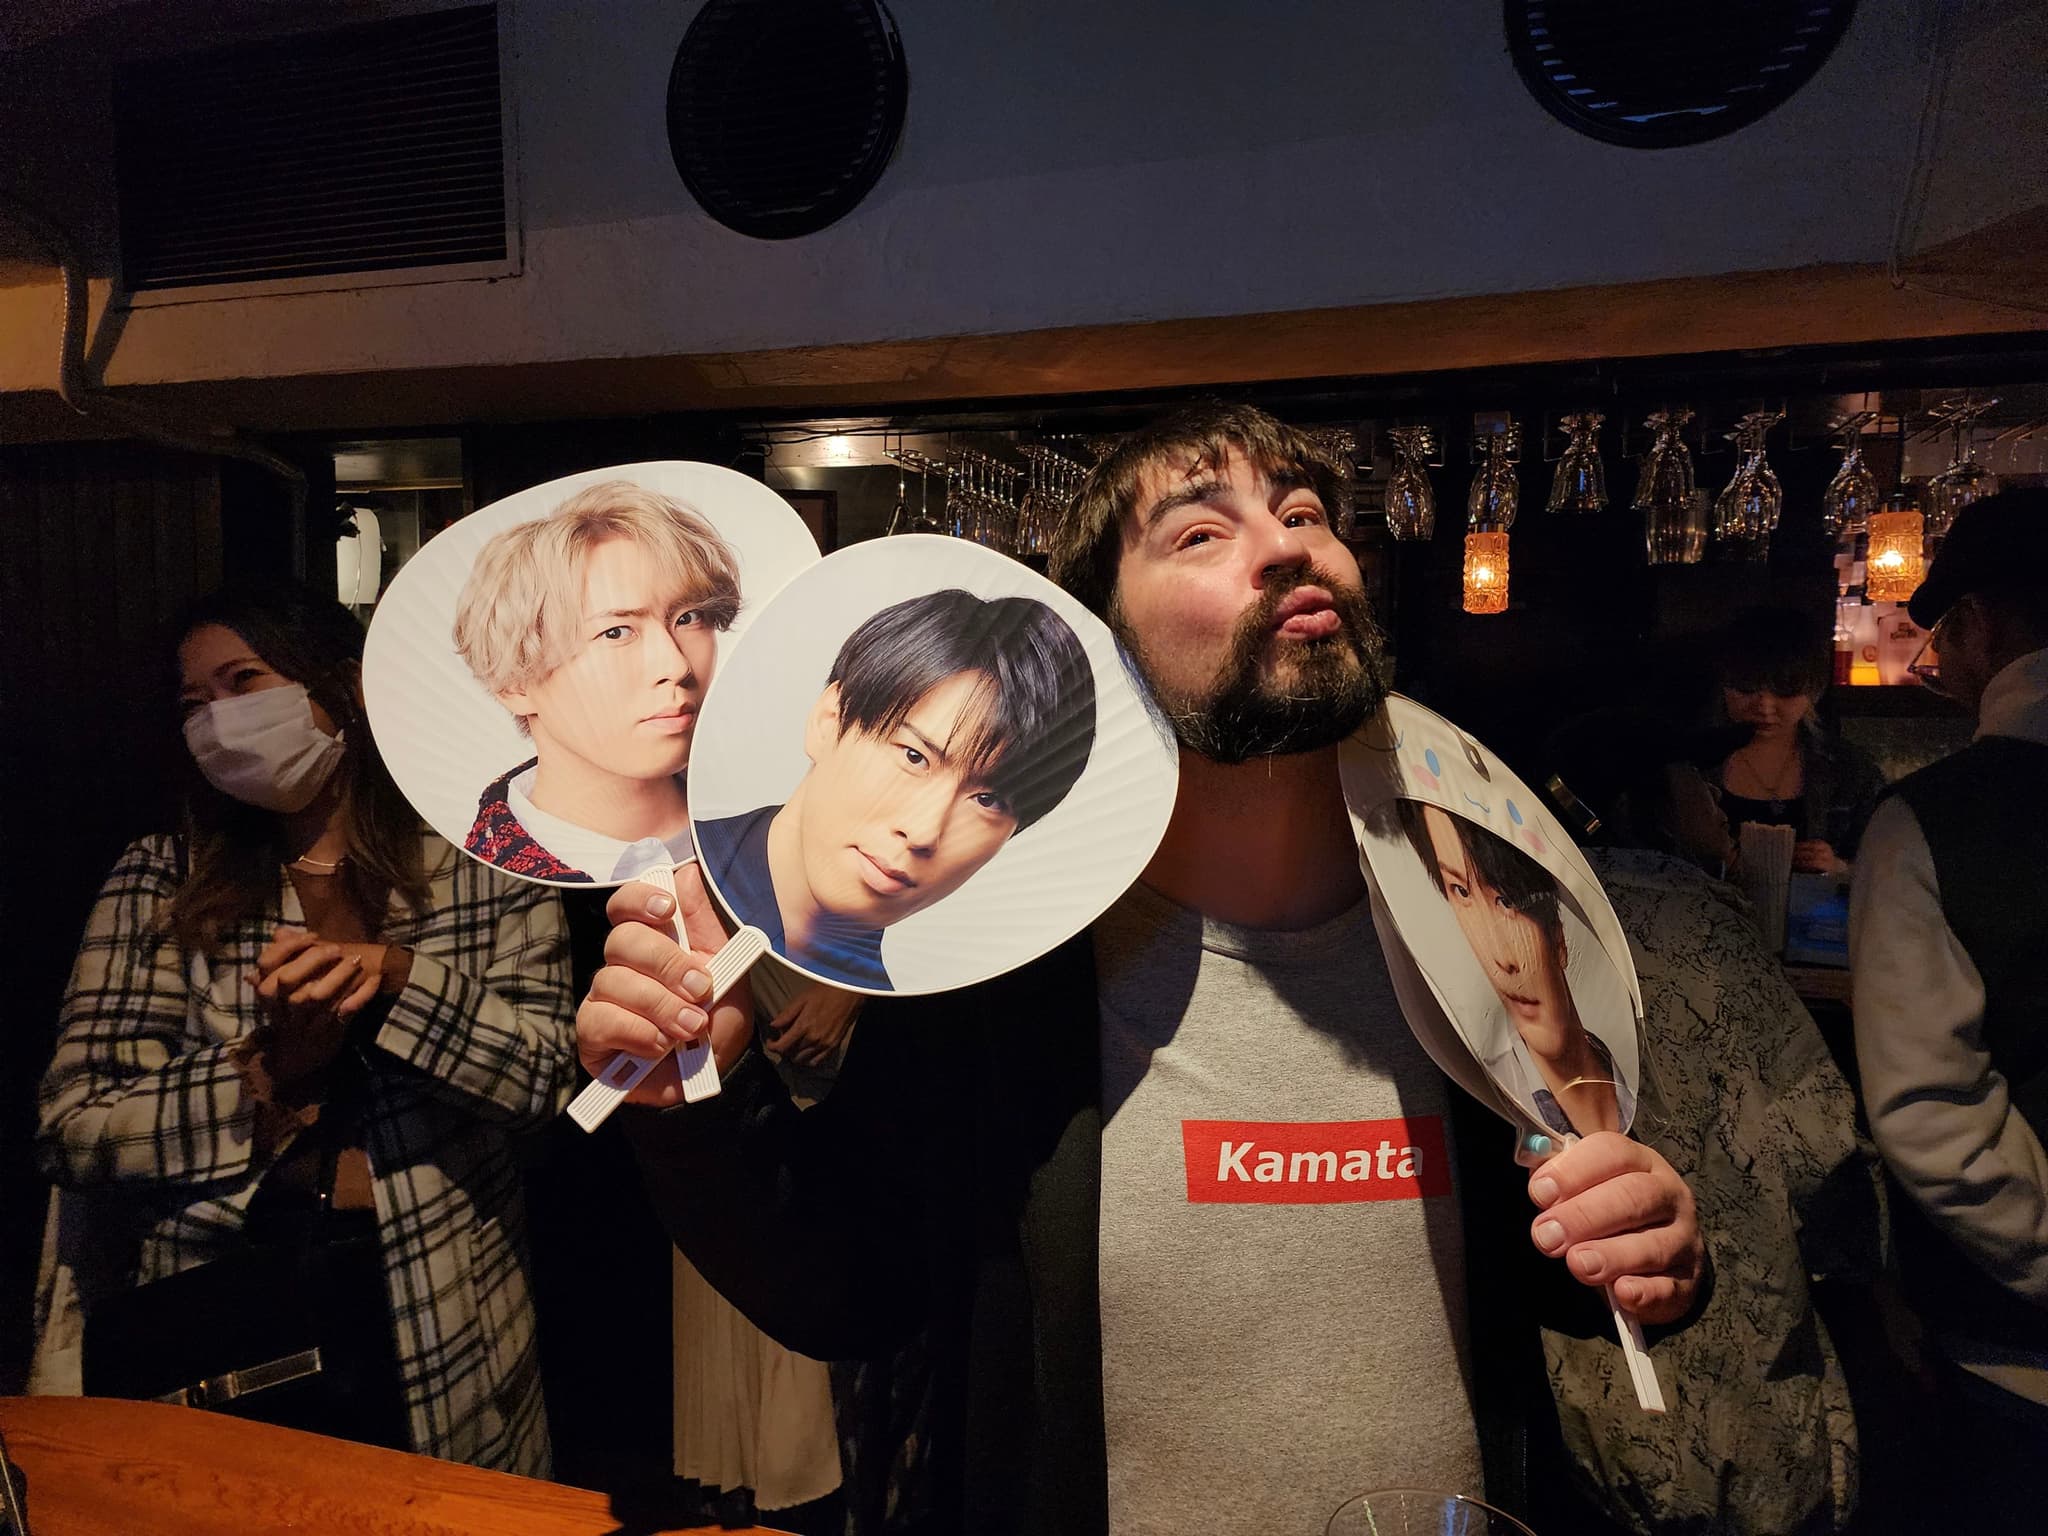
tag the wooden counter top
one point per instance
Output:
(102, 1467)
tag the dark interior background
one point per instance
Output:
(101, 544)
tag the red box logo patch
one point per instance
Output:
(1314, 1162)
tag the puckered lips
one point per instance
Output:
(1307, 613)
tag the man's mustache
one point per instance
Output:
(1346, 598)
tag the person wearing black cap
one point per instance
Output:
(1948, 928)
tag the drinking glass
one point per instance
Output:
(1031, 510)
(901, 513)
(1496, 488)
(929, 521)
(1055, 479)
(1674, 521)
(1965, 480)
(1846, 505)
(904, 520)
(1747, 511)
(1340, 446)
(1411, 502)
(1580, 484)
(963, 501)
(1418, 1512)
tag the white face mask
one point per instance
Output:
(264, 748)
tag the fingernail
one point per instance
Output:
(660, 903)
(1586, 1262)
(1550, 1236)
(696, 984)
(1543, 1192)
(690, 1023)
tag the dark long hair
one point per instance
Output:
(233, 850)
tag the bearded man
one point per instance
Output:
(1181, 1208)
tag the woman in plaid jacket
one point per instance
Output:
(303, 974)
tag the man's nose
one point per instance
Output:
(1503, 945)
(921, 816)
(1278, 547)
(666, 660)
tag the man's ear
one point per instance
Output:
(516, 702)
(821, 730)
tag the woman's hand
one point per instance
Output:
(1618, 1214)
(810, 1030)
(649, 996)
(310, 989)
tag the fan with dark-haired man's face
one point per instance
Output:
(1509, 910)
(948, 724)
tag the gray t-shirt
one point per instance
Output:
(1283, 1283)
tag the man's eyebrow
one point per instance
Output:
(617, 613)
(1190, 493)
(930, 748)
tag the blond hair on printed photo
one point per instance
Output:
(519, 615)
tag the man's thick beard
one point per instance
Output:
(1338, 681)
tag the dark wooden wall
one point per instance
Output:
(100, 547)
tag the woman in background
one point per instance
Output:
(303, 1021)
(1773, 666)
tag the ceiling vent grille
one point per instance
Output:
(1652, 75)
(782, 114)
(370, 148)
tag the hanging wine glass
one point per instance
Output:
(901, 512)
(1411, 502)
(1674, 523)
(1748, 507)
(1496, 489)
(1340, 446)
(904, 520)
(929, 521)
(1008, 532)
(1965, 480)
(1580, 484)
(1051, 487)
(1031, 511)
(960, 501)
(1846, 505)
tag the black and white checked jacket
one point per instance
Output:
(143, 1107)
